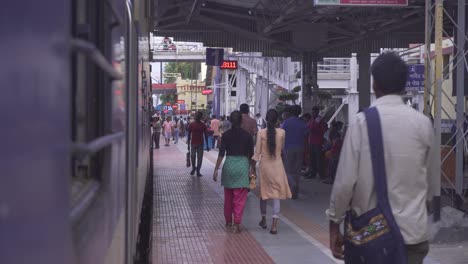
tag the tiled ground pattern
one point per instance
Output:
(189, 222)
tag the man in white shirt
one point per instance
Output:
(261, 124)
(408, 149)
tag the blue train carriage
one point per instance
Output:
(76, 157)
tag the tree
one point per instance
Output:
(167, 98)
(186, 69)
(291, 96)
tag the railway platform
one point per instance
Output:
(188, 221)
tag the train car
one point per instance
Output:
(76, 156)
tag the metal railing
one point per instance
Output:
(335, 65)
(179, 48)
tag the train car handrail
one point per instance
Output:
(90, 50)
(86, 149)
(115, 13)
(85, 200)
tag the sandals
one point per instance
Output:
(236, 229)
(274, 230)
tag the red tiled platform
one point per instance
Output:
(188, 221)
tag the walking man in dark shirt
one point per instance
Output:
(196, 130)
(317, 128)
(296, 131)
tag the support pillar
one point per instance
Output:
(261, 95)
(438, 28)
(364, 84)
(461, 42)
(353, 94)
(227, 103)
(306, 89)
(242, 83)
(372, 59)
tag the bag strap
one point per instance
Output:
(374, 129)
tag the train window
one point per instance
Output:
(91, 87)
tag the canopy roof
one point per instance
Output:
(290, 27)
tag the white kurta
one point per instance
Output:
(273, 180)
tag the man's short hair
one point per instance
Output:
(213, 116)
(244, 108)
(316, 109)
(390, 73)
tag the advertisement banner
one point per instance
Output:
(362, 2)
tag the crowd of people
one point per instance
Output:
(287, 147)
(294, 146)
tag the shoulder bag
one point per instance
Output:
(374, 237)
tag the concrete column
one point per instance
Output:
(306, 90)
(265, 95)
(241, 86)
(373, 57)
(461, 44)
(261, 96)
(353, 94)
(364, 84)
(258, 93)
(226, 101)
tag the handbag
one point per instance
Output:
(374, 237)
(188, 159)
(252, 182)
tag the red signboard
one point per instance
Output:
(362, 2)
(181, 101)
(229, 65)
(207, 92)
(174, 106)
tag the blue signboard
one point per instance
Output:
(415, 82)
(214, 57)
(182, 107)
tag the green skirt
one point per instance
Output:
(235, 172)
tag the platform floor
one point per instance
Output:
(188, 221)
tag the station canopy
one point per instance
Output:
(290, 27)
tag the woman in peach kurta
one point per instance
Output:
(273, 180)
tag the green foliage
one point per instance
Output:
(288, 96)
(186, 69)
(296, 89)
(167, 98)
(323, 95)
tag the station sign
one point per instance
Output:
(362, 2)
(229, 65)
(415, 81)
